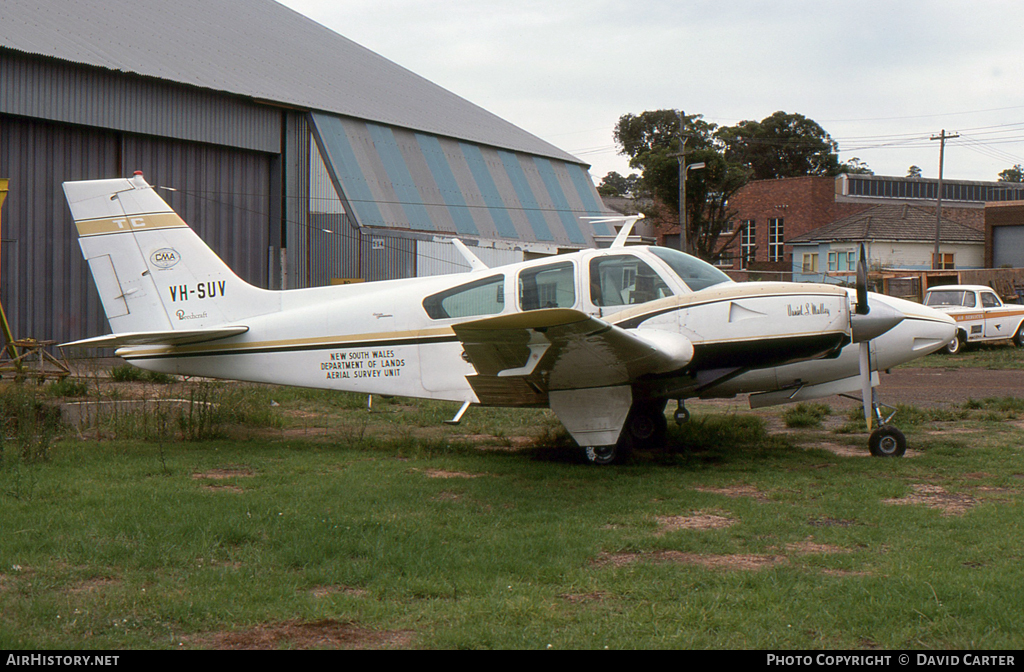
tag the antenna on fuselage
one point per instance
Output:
(474, 261)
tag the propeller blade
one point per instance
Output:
(865, 381)
(862, 282)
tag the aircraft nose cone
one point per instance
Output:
(881, 318)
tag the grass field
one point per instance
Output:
(274, 518)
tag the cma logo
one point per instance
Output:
(165, 258)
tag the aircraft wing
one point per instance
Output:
(175, 337)
(520, 357)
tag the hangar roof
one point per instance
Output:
(255, 48)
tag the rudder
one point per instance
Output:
(152, 271)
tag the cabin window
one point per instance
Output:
(482, 297)
(624, 280)
(552, 286)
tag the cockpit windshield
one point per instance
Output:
(695, 273)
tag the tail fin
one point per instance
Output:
(152, 271)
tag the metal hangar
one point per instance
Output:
(301, 157)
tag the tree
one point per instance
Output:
(782, 145)
(855, 167)
(1015, 174)
(614, 184)
(653, 141)
(914, 171)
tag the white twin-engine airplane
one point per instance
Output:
(603, 337)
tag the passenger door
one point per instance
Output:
(997, 322)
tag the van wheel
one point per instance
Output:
(954, 346)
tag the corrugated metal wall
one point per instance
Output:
(44, 282)
(59, 91)
(337, 251)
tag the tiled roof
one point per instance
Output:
(904, 223)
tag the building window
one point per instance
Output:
(810, 263)
(945, 261)
(776, 234)
(748, 243)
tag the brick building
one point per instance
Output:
(768, 213)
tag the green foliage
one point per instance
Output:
(68, 387)
(614, 184)
(806, 415)
(653, 140)
(28, 425)
(1015, 174)
(781, 145)
(126, 373)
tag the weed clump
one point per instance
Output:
(806, 415)
(28, 426)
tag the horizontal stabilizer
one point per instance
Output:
(176, 337)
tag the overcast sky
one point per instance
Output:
(881, 77)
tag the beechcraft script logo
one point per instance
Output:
(165, 258)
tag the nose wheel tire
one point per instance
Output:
(887, 441)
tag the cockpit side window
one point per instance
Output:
(482, 297)
(551, 286)
(624, 280)
(695, 273)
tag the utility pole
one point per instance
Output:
(684, 230)
(684, 235)
(942, 137)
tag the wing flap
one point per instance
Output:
(562, 349)
(175, 337)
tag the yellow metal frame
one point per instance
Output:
(12, 352)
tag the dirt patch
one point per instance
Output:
(223, 488)
(736, 491)
(727, 562)
(325, 591)
(326, 634)
(221, 474)
(584, 598)
(843, 450)
(936, 497)
(809, 547)
(93, 585)
(441, 473)
(701, 520)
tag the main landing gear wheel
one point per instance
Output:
(601, 455)
(887, 441)
(645, 428)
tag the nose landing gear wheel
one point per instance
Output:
(887, 441)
